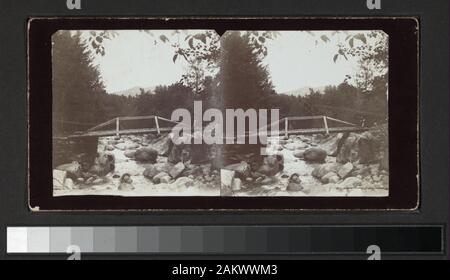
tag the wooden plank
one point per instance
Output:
(151, 117)
(136, 118)
(286, 127)
(305, 118)
(168, 129)
(167, 120)
(330, 130)
(344, 122)
(117, 127)
(122, 132)
(93, 132)
(307, 131)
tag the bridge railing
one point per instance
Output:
(286, 126)
(117, 124)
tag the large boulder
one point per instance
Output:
(162, 145)
(130, 154)
(324, 169)
(150, 172)
(146, 155)
(358, 147)
(330, 177)
(176, 170)
(345, 170)
(163, 166)
(331, 144)
(315, 155)
(179, 153)
(166, 180)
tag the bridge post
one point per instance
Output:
(327, 131)
(118, 127)
(286, 127)
(157, 125)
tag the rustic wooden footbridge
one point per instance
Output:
(86, 142)
(136, 125)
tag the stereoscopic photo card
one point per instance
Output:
(223, 113)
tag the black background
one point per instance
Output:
(433, 107)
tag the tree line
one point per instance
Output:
(242, 81)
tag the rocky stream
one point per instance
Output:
(336, 165)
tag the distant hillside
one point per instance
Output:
(133, 91)
(303, 91)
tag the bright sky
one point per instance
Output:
(294, 60)
(133, 59)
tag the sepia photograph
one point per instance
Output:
(163, 113)
(165, 130)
